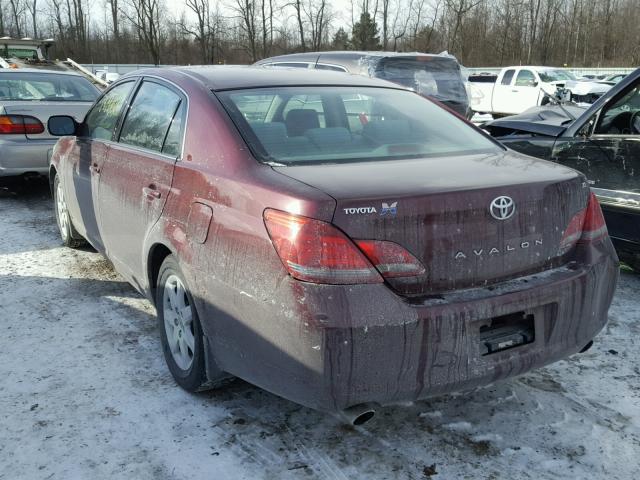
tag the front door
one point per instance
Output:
(525, 92)
(87, 158)
(136, 177)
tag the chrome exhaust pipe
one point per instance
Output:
(359, 414)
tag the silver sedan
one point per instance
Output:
(27, 99)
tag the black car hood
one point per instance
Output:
(548, 120)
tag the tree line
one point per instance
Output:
(575, 33)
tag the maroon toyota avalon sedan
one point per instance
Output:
(334, 239)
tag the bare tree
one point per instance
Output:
(201, 33)
(458, 9)
(32, 7)
(318, 16)
(297, 5)
(145, 18)
(246, 10)
(115, 26)
(385, 23)
(17, 10)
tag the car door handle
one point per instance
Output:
(94, 168)
(515, 91)
(151, 192)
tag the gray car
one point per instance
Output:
(28, 97)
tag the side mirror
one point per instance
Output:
(61, 125)
(535, 83)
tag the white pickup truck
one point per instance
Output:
(515, 89)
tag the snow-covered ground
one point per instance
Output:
(85, 394)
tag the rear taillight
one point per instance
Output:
(594, 227)
(390, 259)
(316, 251)
(20, 124)
(587, 225)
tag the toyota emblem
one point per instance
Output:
(502, 207)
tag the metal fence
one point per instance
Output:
(579, 72)
(120, 68)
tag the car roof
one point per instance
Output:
(347, 56)
(220, 78)
(38, 70)
(354, 53)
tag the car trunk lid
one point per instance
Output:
(440, 210)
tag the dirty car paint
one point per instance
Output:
(334, 346)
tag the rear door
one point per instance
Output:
(525, 92)
(136, 177)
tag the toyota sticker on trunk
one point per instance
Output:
(390, 209)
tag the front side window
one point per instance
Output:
(623, 117)
(101, 120)
(525, 78)
(341, 124)
(150, 116)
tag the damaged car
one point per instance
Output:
(516, 89)
(602, 141)
(337, 240)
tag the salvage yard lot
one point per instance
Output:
(85, 393)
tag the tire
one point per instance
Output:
(632, 260)
(70, 236)
(181, 333)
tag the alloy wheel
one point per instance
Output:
(178, 322)
(63, 212)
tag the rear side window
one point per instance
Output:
(507, 77)
(101, 120)
(150, 116)
(341, 124)
(289, 64)
(173, 143)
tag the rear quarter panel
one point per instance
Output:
(218, 182)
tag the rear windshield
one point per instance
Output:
(292, 125)
(30, 86)
(439, 78)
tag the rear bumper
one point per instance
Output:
(331, 347)
(18, 157)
